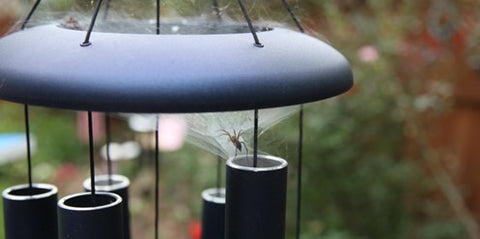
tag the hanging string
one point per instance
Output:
(217, 9)
(293, 16)
(300, 137)
(299, 172)
(158, 17)
(108, 139)
(250, 25)
(27, 123)
(157, 150)
(30, 14)
(255, 139)
(157, 179)
(92, 160)
(29, 155)
(87, 42)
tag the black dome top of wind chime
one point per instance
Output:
(122, 72)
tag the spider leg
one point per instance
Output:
(224, 132)
(245, 146)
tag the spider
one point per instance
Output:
(235, 139)
(71, 23)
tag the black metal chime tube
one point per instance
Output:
(81, 218)
(112, 183)
(213, 213)
(256, 198)
(91, 215)
(30, 212)
(117, 184)
(30, 209)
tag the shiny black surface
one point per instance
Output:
(46, 66)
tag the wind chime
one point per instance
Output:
(165, 73)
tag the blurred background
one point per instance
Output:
(398, 156)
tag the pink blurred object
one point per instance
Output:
(195, 230)
(171, 132)
(66, 172)
(368, 53)
(98, 126)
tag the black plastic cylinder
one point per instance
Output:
(256, 198)
(30, 212)
(117, 184)
(213, 214)
(81, 216)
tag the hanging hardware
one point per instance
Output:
(29, 153)
(157, 149)
(300, 139)
(92, 152)
(27, 123)
(30, 14)
(293, 16)
(157, 179)
(299, 172)
(158, 17)
(250, 25)
(87, 42)
(232, 105)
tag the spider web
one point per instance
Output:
(206, 130)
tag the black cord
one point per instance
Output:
(92, 160)
(292, 15)
(30, 14)
(255, 139)
(87, 42)
(300, 137)
(158, 17)
(299, 172)
(108, 140)
(157, 179)
(29, 154)
(250, 25)
(157, 150)
(27, 123)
